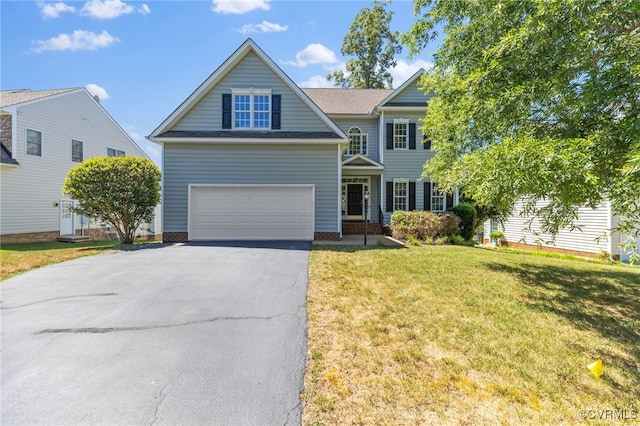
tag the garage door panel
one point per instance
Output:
(242, 212)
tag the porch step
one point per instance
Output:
(357, 228)
(74, 239)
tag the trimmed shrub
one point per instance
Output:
(468, 219)
(423, 225)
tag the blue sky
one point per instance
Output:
(144, 58)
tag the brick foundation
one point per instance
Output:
(326, 236)
(357, 228)
(30, 237)
(175, 237)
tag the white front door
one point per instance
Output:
(67, 218)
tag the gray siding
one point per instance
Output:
(30, 190)
(186, 164)
(411, 93)
(370, 127)
(405, 164)
(250, 72)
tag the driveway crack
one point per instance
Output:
(5, 308)
(159, 398)
(100, 330)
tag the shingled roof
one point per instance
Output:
(347, 101)
(14, 97)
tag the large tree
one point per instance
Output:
(374, 46)
(121, 191)
(535, 100)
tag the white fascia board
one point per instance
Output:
(237, 141)
(404, 108)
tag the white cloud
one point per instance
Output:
(79, 40)
(263, 27)
(98, 91)
(403, 70)
(238, 7)
(314, 53)
(317, 81)
(53, 10)
(109, 9)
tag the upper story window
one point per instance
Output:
(400, 134)
(34, 142)
(252, 109)
(357, 142)
(438, 199)
(114, 152)
(77, 153)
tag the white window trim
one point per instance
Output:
(364, 140)
(26, 142)
(251, 92)
(406, 201)
(404, 121)
(82, 145)
(442, 196)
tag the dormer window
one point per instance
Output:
(357, 142)
(251, 109)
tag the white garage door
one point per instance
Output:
(251, 212)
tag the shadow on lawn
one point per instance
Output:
(605, 301)
(353, 248)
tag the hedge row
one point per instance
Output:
(424, 225)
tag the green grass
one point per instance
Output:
(18, 258)
(460, 335)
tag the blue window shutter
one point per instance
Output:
(427, 196)
(389, 203)
(389, 135)
(226, 110)
(275, 111)
(412, 196)
(412, 135)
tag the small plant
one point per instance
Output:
(380, 241)
(413, 241)
(496, 237)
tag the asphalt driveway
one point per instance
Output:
(183, 334)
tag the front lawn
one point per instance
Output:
(459, 335)
(22, 257)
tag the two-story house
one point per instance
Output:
(43, 134)
(250, 155)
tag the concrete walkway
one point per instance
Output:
(358, 240)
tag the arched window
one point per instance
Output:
(357, 142)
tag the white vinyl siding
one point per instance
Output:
(593, 223)
(250, 71)
(29, 191)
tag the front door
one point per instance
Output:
(354, 200)
(67, 218)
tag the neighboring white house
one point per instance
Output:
(593, 234)
(43, 134)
